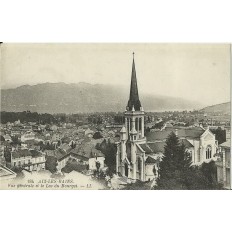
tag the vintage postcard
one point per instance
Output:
(115, 116)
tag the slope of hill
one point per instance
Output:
(82, 97)
(220, 108)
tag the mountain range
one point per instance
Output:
(83, 97)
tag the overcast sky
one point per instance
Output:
(195, 72)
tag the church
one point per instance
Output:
(132, 160)
(138, 157)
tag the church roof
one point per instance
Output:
(194, 133)
(154, 147)
(146, 148)
(134, 95)
(157, 146)
(226, 144)
(186, 143)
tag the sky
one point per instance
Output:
(197, 72)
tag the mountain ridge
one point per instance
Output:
(83, 97)
(220, 108)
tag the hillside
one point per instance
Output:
(222, 108)
(82, 97)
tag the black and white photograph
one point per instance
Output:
(119, 116)
(98, 98)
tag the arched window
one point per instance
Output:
(140, 124)
(208, 152)
(136, 124)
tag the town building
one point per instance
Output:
(29, 135)
(61, 156)
(90, 156)
(223, 164)
(31, 160)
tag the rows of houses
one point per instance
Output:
(31, 149)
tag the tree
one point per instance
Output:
(209, 170)
(175, 157)
(109, 150)
(72, 164)
(220, 135)
(98, 165)
(15, 140)
(97, 135)
(51, 164)
(175, 163)
(177, 172)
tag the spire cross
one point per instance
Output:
(133, 55)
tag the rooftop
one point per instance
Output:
(6, 172)
(194, 133)
(226, 144)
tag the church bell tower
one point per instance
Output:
(129, 162)
(134, 114)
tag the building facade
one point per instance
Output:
(199, 142)
(30, 160)
(224, 165)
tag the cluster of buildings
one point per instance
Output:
(27, 146)
(139, 152)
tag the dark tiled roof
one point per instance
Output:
(150, 160)
(35, 153)
(65, 147)
(186, 143)
(25, 153)
(157, 147)
(226, 144)
(146, 148)
(86, 152)
(59, 154)
(154, 147)
(157, 135)
(20, 153)
(182, 133)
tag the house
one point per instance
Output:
(7, 138)
(31, 160)
(88, 155)
(223, 164)
(54, 127)
(65, 147)
(89, 133)
(61, 156)
(29, 135)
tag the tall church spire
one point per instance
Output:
(134, 95)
